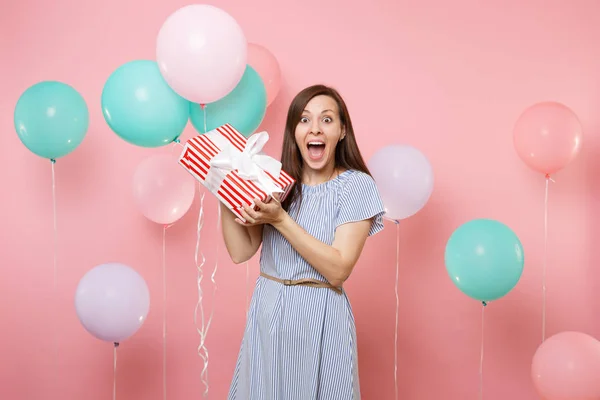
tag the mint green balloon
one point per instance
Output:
(244, 107)
(141, 108)
(485, 259)
(51, 119)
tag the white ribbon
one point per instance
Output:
(250, 164)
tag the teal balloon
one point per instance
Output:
(244, 107)
(485, 259)
(141, 108)
(51, 119)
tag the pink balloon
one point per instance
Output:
(267, 67)
(163, 190)
(404, 178)
(201, 52)
(547, 137)
(567, 367)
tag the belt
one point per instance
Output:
(303, 282)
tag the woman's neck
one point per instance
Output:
(315, 177)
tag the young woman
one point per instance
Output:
(300, 338)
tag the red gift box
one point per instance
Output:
(234, 168)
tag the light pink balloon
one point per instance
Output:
(547, 137)
(567, 367)
(267, 67)
(201, 52)
(404, 178)
(163, 190)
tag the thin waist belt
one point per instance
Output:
(303, 282)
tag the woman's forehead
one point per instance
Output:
(320, 104)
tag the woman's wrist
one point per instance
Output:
(282, 220)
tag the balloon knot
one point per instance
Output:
(484, 303)
(547, 176)
(202, 106)
(53, 161)
(395, 221)
(177, 140)
(116, 344)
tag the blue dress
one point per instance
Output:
(300, 341)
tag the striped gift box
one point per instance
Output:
(234, 168)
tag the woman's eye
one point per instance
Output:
(327, 119)
(304, 120)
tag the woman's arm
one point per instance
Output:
(242, 242)
(334, 262)
(359, 215)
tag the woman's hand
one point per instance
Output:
(265, 213)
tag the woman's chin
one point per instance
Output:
(321, 165)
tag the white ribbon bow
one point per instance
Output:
(251, 163)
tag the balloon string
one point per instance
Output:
(176, 143)
(199, 305)
(397, 308)
(55, 224)
(212, 306)
(545, 261)
(164, 322)
(55, 276)
(205, 328)
(115, 371)
(481, 356)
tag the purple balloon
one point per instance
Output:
(112, 301)
(404, 178)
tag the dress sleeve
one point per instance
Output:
(360, 200)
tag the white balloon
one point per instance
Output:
(112, 302)
(404, 178)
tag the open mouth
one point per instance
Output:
(316, 149)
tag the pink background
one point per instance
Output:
(447, 77)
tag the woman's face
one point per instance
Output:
(318, 133)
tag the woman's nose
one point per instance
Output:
(315, 128)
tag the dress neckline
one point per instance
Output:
(324, 185)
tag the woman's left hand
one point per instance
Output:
(265, 213)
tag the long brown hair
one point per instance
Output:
(347, 153)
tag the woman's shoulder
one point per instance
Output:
(355, 182)
(356, 177)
